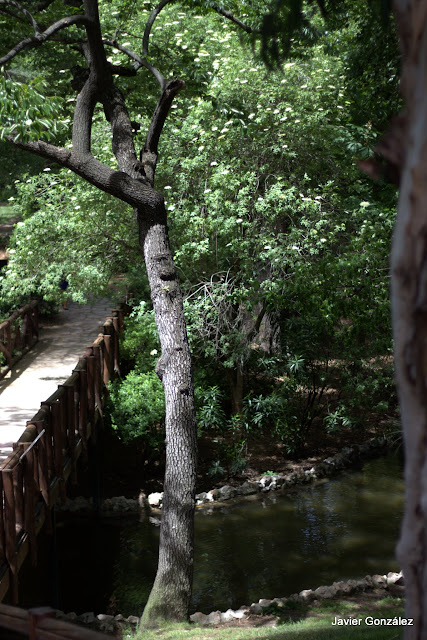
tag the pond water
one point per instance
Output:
(265, 548)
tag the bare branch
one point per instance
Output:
(232, 18)
(95, 52)
(116, 183)
(139, 62)
(150, 23)
(98, 81)
(83, 114)
(38, 39)
(162, 109)
(120, 70)
(122, 130)
(23, 10)
(12, 14)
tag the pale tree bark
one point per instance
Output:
(170, 596)
(134, 184)
(405, 147)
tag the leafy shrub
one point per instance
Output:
(367, 386)
(137, 408)
(210, 412)
(140, 344)
(338, 419)
(238, 465)
(216, 469)
(231, 455)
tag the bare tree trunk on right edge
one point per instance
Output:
(406, 147)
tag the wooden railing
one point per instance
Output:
(18, 334)
(36, 472)
(38, 624)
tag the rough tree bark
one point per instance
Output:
(134, 184)
(170, 596)
(405, 148)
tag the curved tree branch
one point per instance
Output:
(117, 183)
(83, 115)
(139, 62)
(149, 153)
(120, 70)
(94, 50)
(160, 114)
(150, 23)
(232, 18)
(122, 131)
(38, 39)
(21, 9)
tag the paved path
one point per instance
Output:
(35, 377)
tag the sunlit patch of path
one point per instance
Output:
(35, 377)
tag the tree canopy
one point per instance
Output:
(280, 242)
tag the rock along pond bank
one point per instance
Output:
(328, 468)
(390, 584)
(286, 532)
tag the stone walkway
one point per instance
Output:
(35, 377)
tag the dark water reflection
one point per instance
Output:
(340, 529)
(344, 528)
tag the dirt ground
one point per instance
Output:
(128, 469)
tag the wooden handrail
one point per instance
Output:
(39, 624)
(35, 474)
(18, 334)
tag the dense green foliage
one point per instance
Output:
(137, 402)
(281, 243)
(282, 247)
(68, 229)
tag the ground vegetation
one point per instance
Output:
(281, 244)
(303, 622)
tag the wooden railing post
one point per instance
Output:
(10, 529)
(2, 522)
(41, 469)
(90, 370)
(108, 350)
(83, 400)
(56, 434)
(17, 337)
(9, 343)
(27, 465)
(107, 358)
(13, 341)
(18, 490)
(116, 326)
(97, 384)
(66, 400)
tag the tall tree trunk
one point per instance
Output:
(406, 147)
(133, 183)
(171, 593)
